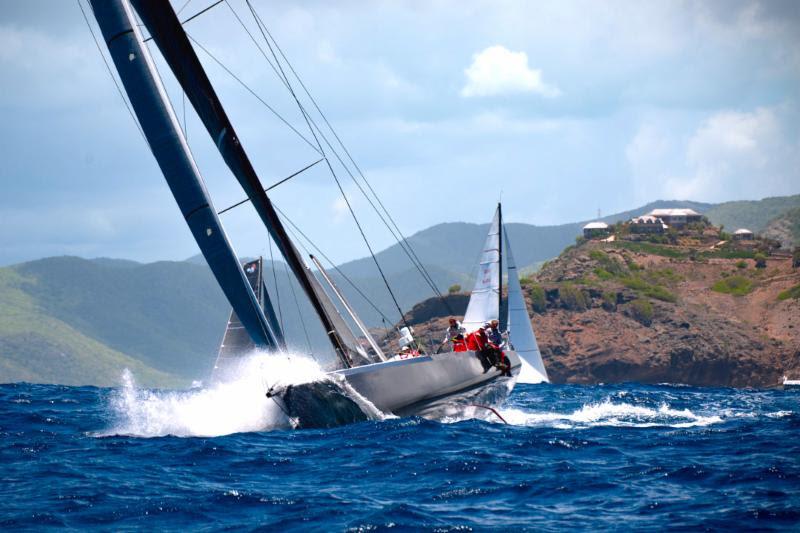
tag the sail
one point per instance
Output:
(355, 354)
(166, 30)
(166, 140)
(237, 342)
(359, 323)
(484, 302)
(520, 331)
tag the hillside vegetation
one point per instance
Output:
(37, 347)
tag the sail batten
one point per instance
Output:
(171, 151)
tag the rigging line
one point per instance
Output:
(184, 6)
(275, 279)
(255, 42)
(410, 253)
(308, 121)
(251, 91)
(193, 16)
(284, 180)
(185, 131)
(299, 313)
(110, 73)
(420, 268)
(285, 80)
(215, 4)
(333, 173)
(369, 247)
(341, 190)
(413, 253)
(331, 263)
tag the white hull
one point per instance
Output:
(407, 385)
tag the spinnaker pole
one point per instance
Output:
(168, 144)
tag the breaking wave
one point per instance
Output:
(237, 405)
(609, 413)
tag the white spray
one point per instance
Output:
(237, 405)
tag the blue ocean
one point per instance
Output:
(565, 457)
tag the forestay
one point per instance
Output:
(520, 331)
(484, 303)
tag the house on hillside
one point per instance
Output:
(596, 230)
(647, 224)
(678, 217)
(743, 234)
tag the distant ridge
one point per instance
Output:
(81, 321)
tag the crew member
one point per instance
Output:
(455, 336)
(478, 342)
(495, 337)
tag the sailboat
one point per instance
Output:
(486, 300)
(399, 386)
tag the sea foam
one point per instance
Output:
(609, 413)
(237, 405)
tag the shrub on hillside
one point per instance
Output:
(793, 292)
(741, 264)
(735, 285)
(572, 297)
(642, 311)
(609, 301)
(538, 299)
(610, 264)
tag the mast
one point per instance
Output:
(169, 147)
(500, 266)
(349, 310)
(166, 30)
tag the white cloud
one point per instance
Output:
(497, 71)
(729, 155)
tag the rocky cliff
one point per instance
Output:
(637, 311)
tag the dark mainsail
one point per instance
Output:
(159, 18)
(163, 133)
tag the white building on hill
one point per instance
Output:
(677, 217)
(593, 230)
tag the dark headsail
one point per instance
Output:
(236, 342)
(167, 32)
(161, 127)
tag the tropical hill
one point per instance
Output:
(785, 228)
(690, 311)
(79, 321)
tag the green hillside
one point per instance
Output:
(751, 214)
(169, 315)
(785, 228)
(35, 347)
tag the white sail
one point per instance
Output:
(484, 303)
(520, 331)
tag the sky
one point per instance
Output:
(558, 108)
